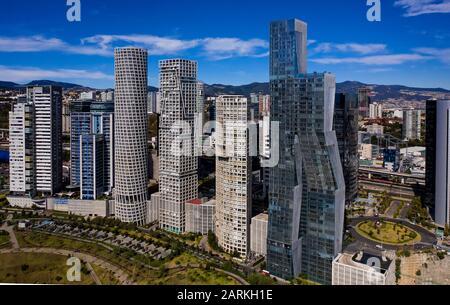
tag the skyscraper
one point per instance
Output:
(364, 101)
(131, 134)
(178, 163)
(89, 117)
(412, 124)
(306, 188)
(437, 160)
(80, 123)
(233, 175)
(47, 101)
(345, 124)
(92, 182)
(376, 111)
(21, 149)
(102, 121)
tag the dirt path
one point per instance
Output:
(12, 236)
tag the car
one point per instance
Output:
(379, 247)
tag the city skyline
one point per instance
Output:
(416, 53)
(297, 181)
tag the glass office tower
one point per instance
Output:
(345, 122)
(91, 166)
(306, 188)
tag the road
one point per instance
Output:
(428, 238)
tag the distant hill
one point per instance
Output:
(218, 89)
(53, 83)
(11, 85)
(381, 92)
(8, 85)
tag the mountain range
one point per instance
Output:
(380, 92)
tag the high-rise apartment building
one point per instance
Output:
(412, 124)
(21, 149)
(376, 111)
(131, 124)
(345, 122)
(153, 102)
(364, 101)
(306, 188)
(233, 175)
(178, 163)
(47, 101)
(438, 160)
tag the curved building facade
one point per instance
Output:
(131, 134)
(233, 175)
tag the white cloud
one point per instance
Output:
(223, 48)
(421, 7)
(103, 45)
(441, 54)
(376, 60)
(23, 74)
(41, 44)
(371, 48)
(155, 45)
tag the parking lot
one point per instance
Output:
(107, 238)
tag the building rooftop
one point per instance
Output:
(262, 216)
(365, 260)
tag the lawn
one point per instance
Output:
(139, 274)
(106, 277)
(196, 276)
(388, 233)
(33, 268)
(4, 238)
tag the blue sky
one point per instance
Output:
(229, 39)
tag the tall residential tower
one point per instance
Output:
(177, 161)
(47, 101)
(131, 152)
(233, 175)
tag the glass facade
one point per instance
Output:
(91, 117)
(92, 166)
(306, 188)
(345, 122)
(80, 123)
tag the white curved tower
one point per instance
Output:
(131, 134)
(233, 175)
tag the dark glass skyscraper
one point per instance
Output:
(437, 160)
(345, 122)
(306, 188)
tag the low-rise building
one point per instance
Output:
(91, 208)
(363, 268)
(200, 216)
(258, 234)
(153, 206)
